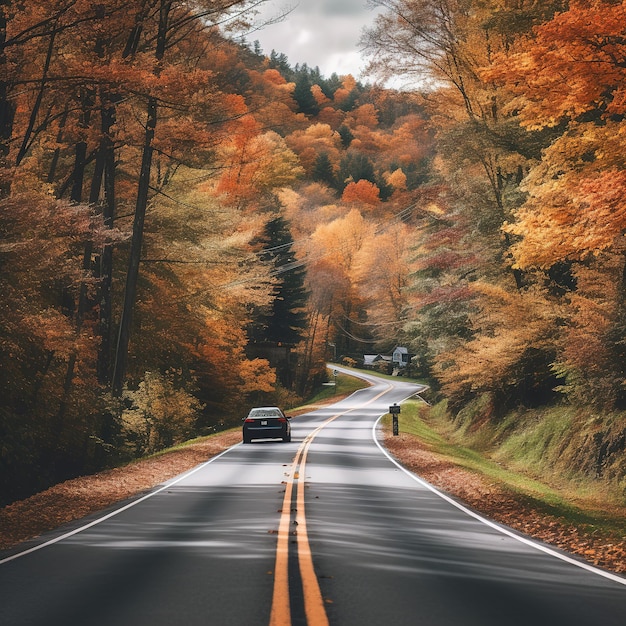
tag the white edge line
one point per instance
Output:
(166, 485)
(505, 531)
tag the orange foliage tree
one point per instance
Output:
(316, 139)
(363, 192)
(573, 220)
(107, 105)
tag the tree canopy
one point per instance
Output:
(173, 198)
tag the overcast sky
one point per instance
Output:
(322, 33)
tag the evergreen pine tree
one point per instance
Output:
(284, 320)
(303, 95)
(346, 135)
(384, 188)
(323, 171)
(356, 166)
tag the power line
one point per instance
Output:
(307, 259)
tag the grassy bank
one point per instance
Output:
(522, 456)
(345, 385)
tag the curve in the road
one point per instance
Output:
(313, 601)
(387, 546)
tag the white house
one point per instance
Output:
(400, 357)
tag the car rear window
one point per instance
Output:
(265, 413)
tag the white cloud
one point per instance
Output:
(344, 63)
(303, 38)
(320, 33)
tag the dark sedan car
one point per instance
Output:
(266, 422)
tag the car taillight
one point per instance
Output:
(282, 419)
(248, 420)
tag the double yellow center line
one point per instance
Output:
(313, 602)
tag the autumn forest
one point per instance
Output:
(191, 225)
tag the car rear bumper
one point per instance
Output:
(265, 432)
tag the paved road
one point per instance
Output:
(323, 530)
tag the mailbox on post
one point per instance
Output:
(394, 409)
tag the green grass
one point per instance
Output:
(384, 376)
(564, 500)
(539, 440)
(345, 386)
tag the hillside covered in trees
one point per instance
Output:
(191, 225)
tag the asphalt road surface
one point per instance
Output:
(323, 530)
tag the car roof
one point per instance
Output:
(262, 409)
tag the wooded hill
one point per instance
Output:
(191, 226)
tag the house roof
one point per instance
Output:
(371, 358)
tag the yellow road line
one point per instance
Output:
(281, 611)
(313, 601)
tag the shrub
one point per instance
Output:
(158, 414)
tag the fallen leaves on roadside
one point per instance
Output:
(82, 496)
(494, 502)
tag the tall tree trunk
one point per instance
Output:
(76, 196)
(130, 292)
(106, 257)
(87, 98)
(26, 141)
(308, 354)
(52, 170)
(7, 108)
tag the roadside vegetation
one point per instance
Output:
(517, 463)
(76, 498)
(342, 386)
(503, 478)
(186, 234)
